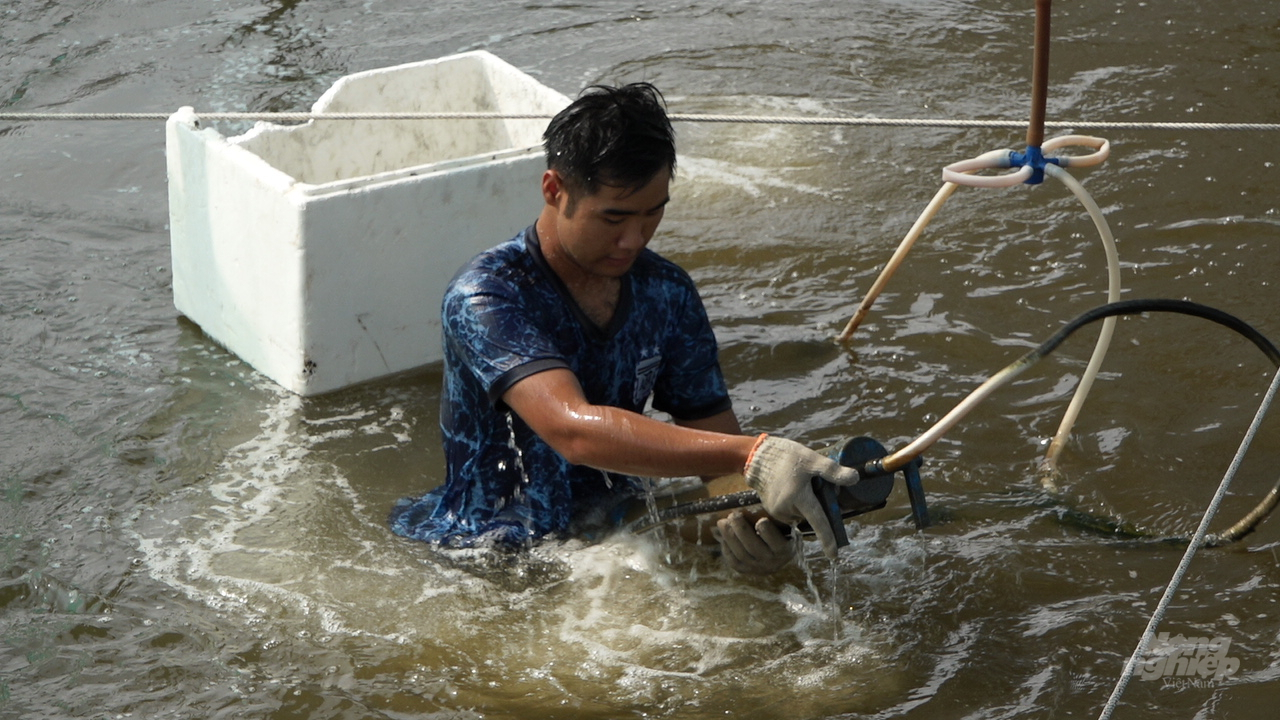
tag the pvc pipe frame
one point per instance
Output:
(960, 174)
(988, 159)
(998, 159)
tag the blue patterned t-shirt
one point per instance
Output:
(507, 316)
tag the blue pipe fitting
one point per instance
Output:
(1035, 159)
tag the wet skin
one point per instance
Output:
(591, 241)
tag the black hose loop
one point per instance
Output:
(1184, 307)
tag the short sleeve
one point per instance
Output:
(490, 328)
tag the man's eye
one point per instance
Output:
(613, 220)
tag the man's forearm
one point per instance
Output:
(610, 438)
(618, 440)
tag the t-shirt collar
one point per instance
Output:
(533, 245)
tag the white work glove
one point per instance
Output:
(781, 472)
(761, 550)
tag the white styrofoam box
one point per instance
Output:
(319, 253)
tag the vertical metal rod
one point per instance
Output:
(1039, 76)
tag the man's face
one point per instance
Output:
(606, 231)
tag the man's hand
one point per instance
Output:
(761, 550)
(781, 472)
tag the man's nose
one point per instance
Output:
(633, 236)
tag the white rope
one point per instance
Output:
(675, 117)
(1197, 541)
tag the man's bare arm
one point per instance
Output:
(610, 438)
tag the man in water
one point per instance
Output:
(555, 341)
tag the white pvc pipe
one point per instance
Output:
(904, 454)
(900, 457)
(1101, 145)
(958, 172)
(1108, 325)
(984, 160)
(899, 256)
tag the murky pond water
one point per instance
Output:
(179, 538)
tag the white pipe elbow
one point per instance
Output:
(1101, 146)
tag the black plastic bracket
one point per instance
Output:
(829, 496)
(915, 492)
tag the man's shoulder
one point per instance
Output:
(502, 265)
(504, 256)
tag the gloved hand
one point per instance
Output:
(781, 472)
(761, 550)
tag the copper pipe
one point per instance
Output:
(1039, 76)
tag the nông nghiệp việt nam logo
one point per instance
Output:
(1194, 658)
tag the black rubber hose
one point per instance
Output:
(1184, 307)
(1254, 517)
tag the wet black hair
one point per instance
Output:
(615, 136)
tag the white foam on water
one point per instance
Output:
(755, 181)
(647, 618)
(277, 539)
(242, 540)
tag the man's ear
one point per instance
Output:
(552, 188)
